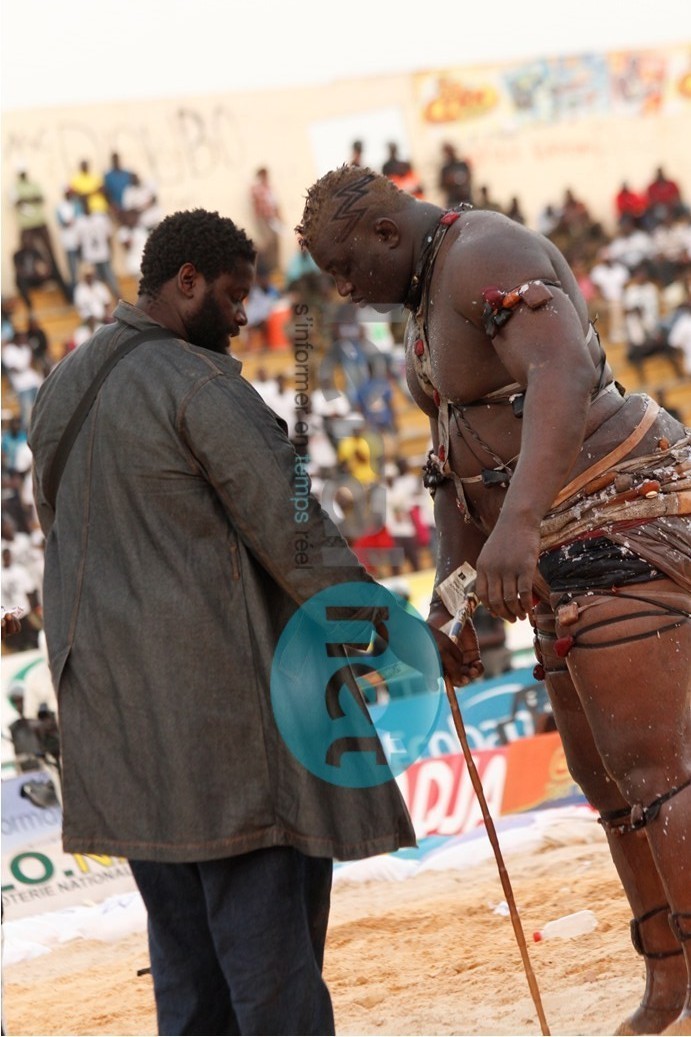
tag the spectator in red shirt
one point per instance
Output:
(630, 203)
(663, 196)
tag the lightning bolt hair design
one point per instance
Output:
(349, 212)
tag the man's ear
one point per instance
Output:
(188, 278)
(387, 231)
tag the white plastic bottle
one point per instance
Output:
(577, 924)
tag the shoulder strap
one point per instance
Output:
(71, 431)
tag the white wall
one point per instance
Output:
(203, 151)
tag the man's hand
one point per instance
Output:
(461, 662)
(11, 622)
(506, 570)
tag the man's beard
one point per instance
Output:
(208, 328)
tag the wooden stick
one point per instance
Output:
(492, 834)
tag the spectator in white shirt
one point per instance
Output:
(333, 406)
(139, 213)
(632, 246)
(67, 214)
(672, 247)
(610, 276)
(140, 204)
(132, 240)
(265, 386)
(95, 232)
(642, 300)
(642, 317)
(92, 298)
(680, 335)
(26, 548)
(18, 362)
(401, 495)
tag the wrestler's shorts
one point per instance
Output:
(594, 563)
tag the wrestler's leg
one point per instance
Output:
(630, 665)
(665, 976)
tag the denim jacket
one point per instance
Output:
(173, 562)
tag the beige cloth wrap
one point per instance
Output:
(653, 490)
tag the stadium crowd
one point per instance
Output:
(341, 374)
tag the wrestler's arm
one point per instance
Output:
(457, 542)
(545, 350)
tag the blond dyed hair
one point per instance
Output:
(341, 197)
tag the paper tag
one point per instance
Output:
(455, 590)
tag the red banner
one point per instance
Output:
(517, 776)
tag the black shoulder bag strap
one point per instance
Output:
(62, 451)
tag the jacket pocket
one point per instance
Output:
(234, 560)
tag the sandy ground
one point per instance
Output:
(426, 955)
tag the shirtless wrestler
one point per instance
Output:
(570, 497)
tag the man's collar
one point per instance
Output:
(134, 317)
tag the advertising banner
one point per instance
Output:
(495, 712)
(529, 772)
(519, 769)
(37, 875)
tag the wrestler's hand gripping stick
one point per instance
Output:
(457, 593)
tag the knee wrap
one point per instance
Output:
(617, 821)
(637, 941)
(675, 925)
(638, 816)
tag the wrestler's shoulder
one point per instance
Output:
(496, 225)
(490, 239)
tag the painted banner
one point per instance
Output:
(519, 770)
(551, 90)
(440, 796)
(37, 875)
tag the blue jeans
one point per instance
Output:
(237, 944)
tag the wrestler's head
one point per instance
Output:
(358, 227)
